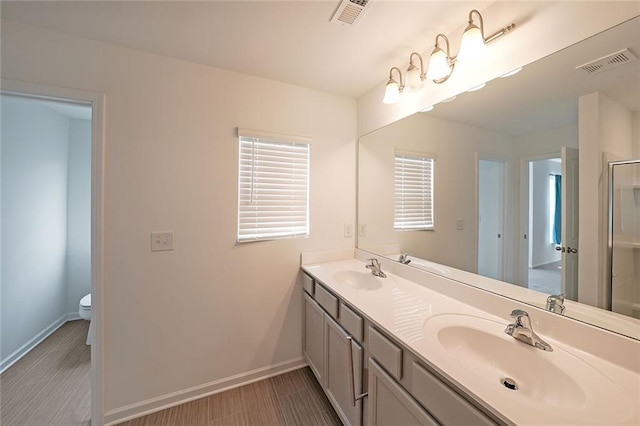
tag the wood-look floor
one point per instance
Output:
(51, 384)
(293, 398)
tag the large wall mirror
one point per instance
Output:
(506, 176)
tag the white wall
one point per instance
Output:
(542, 251)
(454, 192)
(604, 127)
(34, 220)
(79, 213)
(210, 309)
(636, 133)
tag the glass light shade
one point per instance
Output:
(413, 83)
(438, 65)
(391, 93)
(472, 46)
(427, 109)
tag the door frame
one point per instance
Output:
(97, 102)
(506, 271)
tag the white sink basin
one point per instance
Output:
(359, 280)
(559, 386)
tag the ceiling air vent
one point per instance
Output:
(349, 11)
(608, 62)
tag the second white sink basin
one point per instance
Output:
(559, 385)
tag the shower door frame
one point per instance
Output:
(609, 287)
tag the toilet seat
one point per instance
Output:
(85, 302)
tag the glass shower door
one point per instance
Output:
(624, 237)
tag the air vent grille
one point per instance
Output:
(349, 11)
(608, 62)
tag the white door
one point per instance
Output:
(570, 222)
(490, 217)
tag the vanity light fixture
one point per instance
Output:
(474, 43)
(415, 76)
(510, 73)
(427, 109)
(448, 100)
(441, 63)
(393, 89)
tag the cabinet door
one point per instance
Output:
(338, 388)
(390, 405)
(313, 338)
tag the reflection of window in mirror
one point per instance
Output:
(413, 191)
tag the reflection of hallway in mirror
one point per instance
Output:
(546, 278)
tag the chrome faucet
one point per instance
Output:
(404, 258)
(374, 266)
(555, 303)
(522, 330)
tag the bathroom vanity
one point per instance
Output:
(416, 348)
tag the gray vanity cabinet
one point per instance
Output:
(338, 372)
(313, 338)
(326, 348)
(390, 404)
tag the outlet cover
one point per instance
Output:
(362, 230)
(348, 230)
(460, 224)
(161, 241)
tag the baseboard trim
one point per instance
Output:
(35, 341)
(541, 264)
(139, 409)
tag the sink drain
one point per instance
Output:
(509, 383)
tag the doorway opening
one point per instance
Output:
(544, 264)
(51, 282)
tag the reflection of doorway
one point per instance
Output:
(545, 198)
(537, 208)
(490, 217)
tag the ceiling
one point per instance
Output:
(291, 41)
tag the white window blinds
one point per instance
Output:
(413, 188)
(273, 189)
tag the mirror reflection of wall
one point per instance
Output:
(553, 116)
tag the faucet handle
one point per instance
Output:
(373, 261)
(521, 317)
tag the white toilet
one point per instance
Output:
(84, 310)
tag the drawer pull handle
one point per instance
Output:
(352, 386)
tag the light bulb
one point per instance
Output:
(472, 46)
(438, 65)
(413, 81)
(391, 93)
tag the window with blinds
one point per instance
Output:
(413, 189)
(273, 189)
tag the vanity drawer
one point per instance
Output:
(327, 300)
(307, 283)
(445, 404)
(387, 353)
(352, 322)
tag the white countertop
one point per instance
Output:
(402, 308)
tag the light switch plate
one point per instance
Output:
(161, 241)
(348, 230)
(460, 224)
